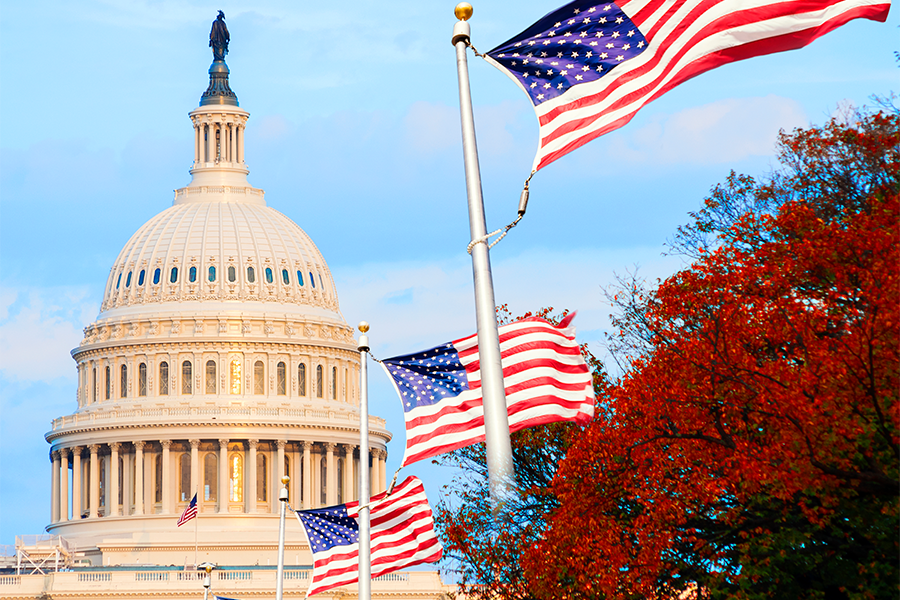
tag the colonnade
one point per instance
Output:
(229, 476)
(218, 142)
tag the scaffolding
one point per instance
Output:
(40, 554)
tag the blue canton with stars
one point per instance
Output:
(579, 43)
(329, 527)
(426, 378)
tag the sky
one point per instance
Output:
(354, 134)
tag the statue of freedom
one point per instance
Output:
(218, 37)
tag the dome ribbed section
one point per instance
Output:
(227, 255)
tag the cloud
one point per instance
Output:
(721, 132)
(38, 329)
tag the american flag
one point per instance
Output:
(402, 535)
(544, 373)
(190, 511)
(590, 66)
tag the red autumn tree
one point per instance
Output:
(751, 448)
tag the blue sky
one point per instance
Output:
(354, 134)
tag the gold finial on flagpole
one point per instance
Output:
(363, 327)
(285, 479)
(463, 11)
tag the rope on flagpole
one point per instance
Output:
(523, 205)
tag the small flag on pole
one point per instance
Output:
(544, 373)
(190, 511)
(589, 66)
(402, 535)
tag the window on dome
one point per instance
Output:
(186, 378)
(334, 383)
(312, 279)
(281, 376)
(235, 387)
(163, 378)
(212, 274)
(156, 276)
(269, 277)
(261, 479)
(128, 280)
(118, 281)
(319, 389)
(210, 477)
(259, 378)
(236, 480)
(142, 379)
(173, 275)
(141, 278)
(108, 383)
(301, 380)
(94, 384)
(124, 381)
(299, 278)
(210, 377)
(184, 477)
(285, 277)
(251, 275)
(121, 482)
(232, 273)
(192, 274)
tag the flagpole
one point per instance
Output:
(496, 420)
(365, 549)
(283, 497)
(196, 526)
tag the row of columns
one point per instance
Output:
(229, 149)
(61, 462)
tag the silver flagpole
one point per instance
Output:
(283, 496)
(496, 420)
(365, 557)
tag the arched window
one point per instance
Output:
(184, 477)
(259, 378)
(251, 275)
(173, 275)
(312, 279)
(123, 379)
(157, 483)
(108, 382)
(142, 379)
(128, 280)
(340, 480)
(281, 375)
(235, 376)
(285, 277)
(300, 278)
(334, 383)
(319, 388)
(156, 275)
(210, 377)
(210, 476)
(101, 466)
(163, 378)
(232, 273)
(262, 488)
(211, 276)
(269, 277)
(192, 274)
(323, 496)
(236, 478)
(301, 380)
(186, 378)
(141, 278)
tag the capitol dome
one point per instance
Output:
(219, 362)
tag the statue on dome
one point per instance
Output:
(218, 37)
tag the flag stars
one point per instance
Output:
(615, 34)
(619, 20)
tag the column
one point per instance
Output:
(331, 475)
(240, 143)
(63, 484)
(54, 487)
(210, 142)
(195, 469)
(77, 474)
(251, 476)
(197, 137)
(94, 504)
(382, 470)
(348, 473)
(112, 497)
(232, 135)
(223, 476)
(278, 469)
(166, 477)
(126, 484)
(139, 478)
(307, 476)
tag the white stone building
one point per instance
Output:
(219, 362)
